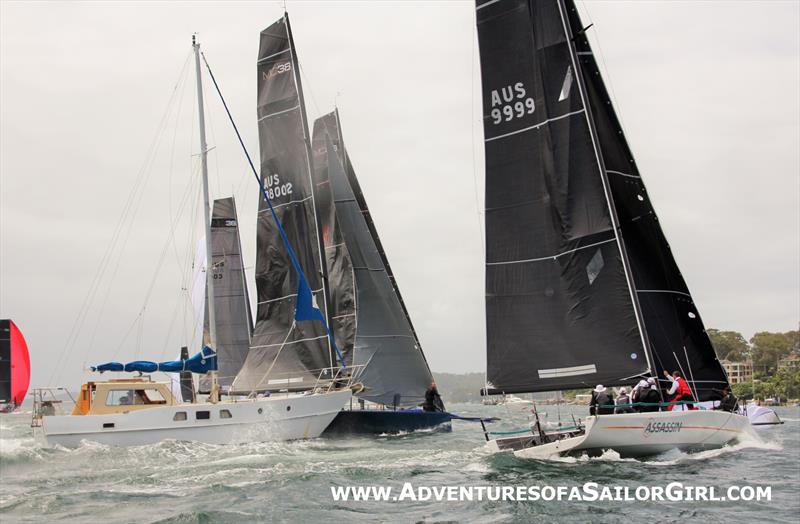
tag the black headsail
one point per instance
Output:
(396, 372)
(233, 317)
(340, 284)
(284, 355)
(561, 313)
(672, 321)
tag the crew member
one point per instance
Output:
(623, 402)
(680, 389)
(601, 403)
(729, 401)
(636, 394)
(433, 401)
(649, 396)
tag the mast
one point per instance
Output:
(212, 324)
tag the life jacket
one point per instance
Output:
(683, 388)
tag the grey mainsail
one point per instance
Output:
(396, 372)
(284, 354)
(340, 284)
(233, 317)
(581, 287)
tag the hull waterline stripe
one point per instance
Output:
(682, 427)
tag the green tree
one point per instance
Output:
(729, 345)
(768, 348)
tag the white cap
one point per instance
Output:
(600, 388)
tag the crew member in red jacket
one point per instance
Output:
(680, 389)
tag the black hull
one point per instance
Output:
(377, 422)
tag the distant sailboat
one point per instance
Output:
(581, 284)
(15, 366)
(369, 317)
(232, 304)
(142, 411)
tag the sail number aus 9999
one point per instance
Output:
(275, 189)
(510, 102)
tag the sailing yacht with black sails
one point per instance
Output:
(289, 391)
(369, 317)
(581, 285)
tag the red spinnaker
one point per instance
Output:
(20, 365)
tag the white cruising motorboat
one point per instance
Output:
(581, 285)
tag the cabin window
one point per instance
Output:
(203, 415)
(179, 416)
(224, 413)
(120, 397)
(134, 397)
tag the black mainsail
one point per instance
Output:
(385, 342)
(672, 321)
(581, 286)
(233, 317)
(284, 354)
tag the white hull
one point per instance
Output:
(275, 418)
(761, 416)
(642, 434)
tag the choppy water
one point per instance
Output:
(291, 482)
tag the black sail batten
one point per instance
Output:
(232, 304)
(340, 278)
(292, 354)
(672, 322)
(560, 312)
(395, 371)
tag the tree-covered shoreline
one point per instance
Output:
(764, 350)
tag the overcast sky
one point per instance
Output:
(709, 95)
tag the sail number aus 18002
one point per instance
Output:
(510, 102)
(275, 189)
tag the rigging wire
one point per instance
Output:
(161, 258)
(126, 238)
(94, 286)
(606, 76)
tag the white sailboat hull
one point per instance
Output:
(643, 434)
(275, 418)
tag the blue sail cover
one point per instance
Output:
(202, 362)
